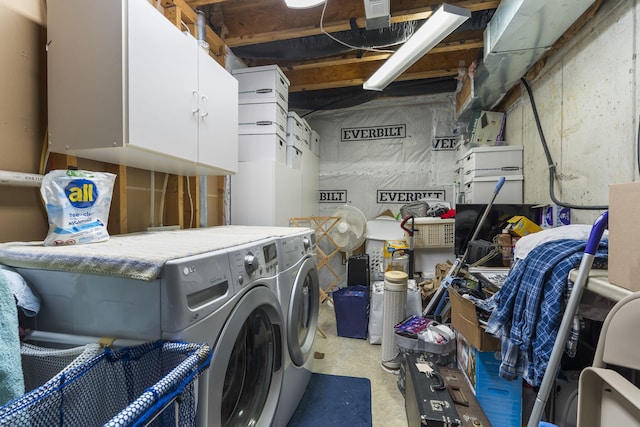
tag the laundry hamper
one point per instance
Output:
(131, 386)
(40, 364)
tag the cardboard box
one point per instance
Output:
(624, 235)
(487, 128)
(491, 161)
(522, 226)
(481, 189)
(465, 321)
(500, 399)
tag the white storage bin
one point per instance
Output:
(314, 142)
(295, 130)
(380, 230)
(262, 147)
(294, 157)
(266, 118)
(481, 189)
(262, 84)
(492, 161)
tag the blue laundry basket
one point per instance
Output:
(131, 386)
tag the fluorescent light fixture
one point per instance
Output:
(442, 23)
(303, 4)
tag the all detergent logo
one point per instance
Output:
(82, 193)
(405, 196)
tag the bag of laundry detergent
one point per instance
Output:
(77, 204)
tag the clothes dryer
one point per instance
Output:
(299, 295)
(210, 287)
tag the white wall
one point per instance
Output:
(363, 168)
(587, 102)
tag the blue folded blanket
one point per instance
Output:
(11, 378)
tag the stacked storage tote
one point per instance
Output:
(482, 167)
(264, 191)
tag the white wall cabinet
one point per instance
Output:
(126, 86)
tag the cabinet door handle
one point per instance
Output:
(205, 104)
(196, 107)
(264, 123)
(265, 90)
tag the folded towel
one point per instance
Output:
(11, 378)
(26, 299)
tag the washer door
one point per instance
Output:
(303, 312)
(246, 369)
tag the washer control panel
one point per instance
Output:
(292, 248)
(251, 262)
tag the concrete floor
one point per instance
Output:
(357, 358)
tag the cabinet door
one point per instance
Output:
(162, 84)
(84, 72)
(218, 123)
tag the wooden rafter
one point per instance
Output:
(263, 25)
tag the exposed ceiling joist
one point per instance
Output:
(266, 27)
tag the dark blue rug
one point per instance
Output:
(332, 400)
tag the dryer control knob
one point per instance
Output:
(251, 263)
(306, 243)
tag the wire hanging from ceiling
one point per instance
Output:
(368, 49)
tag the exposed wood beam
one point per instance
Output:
(196, 3)
(374, 56)
(243, 33)
(353, 74)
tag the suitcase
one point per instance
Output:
(469, 410)
(427, 400)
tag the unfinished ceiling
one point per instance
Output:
(325, 73)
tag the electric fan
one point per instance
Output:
(350, 230)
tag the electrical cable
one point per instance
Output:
(190, 202)
(369, 49)
(550, 164)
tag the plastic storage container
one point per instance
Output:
(433, 233)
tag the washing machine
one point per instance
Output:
(298, 293)
(223, 291)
